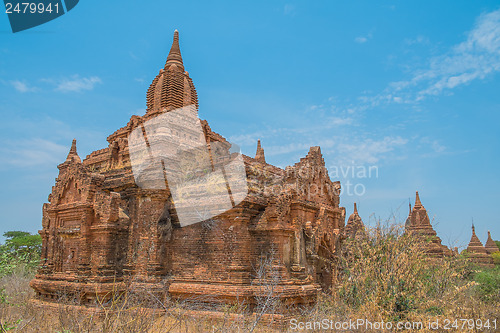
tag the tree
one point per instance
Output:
(20, 249)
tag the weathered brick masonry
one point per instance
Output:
(101, 232)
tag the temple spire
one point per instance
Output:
(354, 224)
(474, 239)
(73, 155)
(259, 155)
(477, 252)
(417, 200)
(491, 246)
(174, 56)
(172, 88)
(475, 244)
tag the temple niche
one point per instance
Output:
(114, 223)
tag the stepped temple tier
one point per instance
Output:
(478, 253)
(491, 246)
(418, 222)
(354, 226)
(171, 208)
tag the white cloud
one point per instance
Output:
(133, 56)
(360, 40)
(32, 152)
(38, 139)
(433, 148)
(343, 145)
(75, 83)
(287, 148)
(246, 139)
(418, 40)
(438, 148)
(337, 121)
(311, 133)
(369, 151)
(474, 59)
(22, 86)
(289, 9)
(363, 39)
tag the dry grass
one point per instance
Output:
(384, 277)
(126, 312)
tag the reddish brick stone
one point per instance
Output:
(490, 245)
(418, 223)
(101, 232)
(477, 252)
(355, 226)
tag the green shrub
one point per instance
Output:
(20, 250)
(496, 257)
(488, 284)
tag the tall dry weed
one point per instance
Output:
(383, 276)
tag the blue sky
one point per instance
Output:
(407, 88)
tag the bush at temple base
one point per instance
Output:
(21, 250)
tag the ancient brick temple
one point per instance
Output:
(478, 253)
(491, 246)
(418, 223)
(102, 232)
(355, 226)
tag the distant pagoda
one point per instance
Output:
(418, 223)
(355, 226)
(477, 252)
(490, 245)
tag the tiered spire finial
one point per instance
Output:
(174, 56)
(354, 224)
(490, 245)
(259, 155)
(417, 200)
(475, 244)
(73, 155)
(477, 252)
(172, 88)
